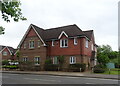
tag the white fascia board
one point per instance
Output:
(39, 36)
(27, 33)
(2, 50)
(63, 32)
(9, 51)
(24, 37)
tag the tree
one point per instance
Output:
(10, 9)
(102, 54)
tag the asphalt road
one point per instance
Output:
(8, 78)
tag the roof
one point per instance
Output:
(53, 33)
(10, 49)
(88, 33)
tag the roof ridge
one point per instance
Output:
(60, 27)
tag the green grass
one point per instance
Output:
(115, 71)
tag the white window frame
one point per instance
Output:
(31, 46)
(91, 46)
(86, 43)
(55, 60)
(38, 43)
(63, 45)
(53, 41)
(5, 53)
(25, 59)
(37, 60)
(72, 60)
(75, 41)
(24, 45)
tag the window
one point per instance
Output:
(55, 60)
(5, 53)
(37, 60)
(91, 46)
(53, 42)
(25, 59)
(38, 43)
(25, 45)
(72, 60)
(86, 43)
(75, 41)
(63, 43)
(31, 44)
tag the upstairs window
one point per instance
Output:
(91, 46)
(55, 60)
(86, 43)
(53, 42)
(38, 43)
(4, 53)
(37, 60)
(24, 45)
(25, 59)
(75, 41)
(72, 60)
(64, 43)
(31, 44)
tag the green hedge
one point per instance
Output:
(51, 67)
(99, 69)
(76, 67)
(10, 66)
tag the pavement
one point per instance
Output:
(74, 74)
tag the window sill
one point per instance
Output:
(64, 47)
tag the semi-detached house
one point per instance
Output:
(70, 41)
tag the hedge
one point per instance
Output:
(51, 67)
(76, 67)
(99, 69)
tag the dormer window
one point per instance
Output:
(75, 41)
(64, 43)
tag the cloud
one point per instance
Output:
(99, 15)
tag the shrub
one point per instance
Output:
(99, 69)
(51, 67)
(11, 66)
(5, 62)
(76, 67)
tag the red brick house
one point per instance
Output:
(7, 53)
(70, 41)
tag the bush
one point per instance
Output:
(5, 62)
(99, 69)
(76, 67)
(51, 67)
(11, 66)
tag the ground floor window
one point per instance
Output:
(25, 59)
(72, 60)
(55, 60)
(37, 60)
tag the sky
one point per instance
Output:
(98, 15)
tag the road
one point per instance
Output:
(8, 78)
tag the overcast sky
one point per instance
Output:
(98, 15)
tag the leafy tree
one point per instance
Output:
(113, 54)
(10, 9)
(102, 54)
(1, 30)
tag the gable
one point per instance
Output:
(7, 50)
(30, 33)
(62, 33)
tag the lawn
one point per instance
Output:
(115, 71)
